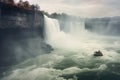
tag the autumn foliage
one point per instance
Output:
(21, 4)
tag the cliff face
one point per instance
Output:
(19, 17)
(18, 20)
(21, 35)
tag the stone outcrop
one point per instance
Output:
(21, 35)
(98, 53)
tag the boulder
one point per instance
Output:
(98, 53)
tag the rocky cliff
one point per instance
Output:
(17, 20)
(21, 35)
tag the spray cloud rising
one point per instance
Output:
(72, 57)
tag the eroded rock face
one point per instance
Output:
(21, 35)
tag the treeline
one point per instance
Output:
(62, 16)
(21, 4)
(56, 15)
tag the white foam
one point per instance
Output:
(78, 50)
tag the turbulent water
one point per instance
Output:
(72, 58)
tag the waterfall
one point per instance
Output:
(74, 62)
(104, 26)
(58, 38)
(74, 27)
(52, 28)
(77, 27)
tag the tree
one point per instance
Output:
(37, 7)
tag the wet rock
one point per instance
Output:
(98, 53)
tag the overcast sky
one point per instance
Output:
(83, 8)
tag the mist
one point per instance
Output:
(59, 41)
(72, 57)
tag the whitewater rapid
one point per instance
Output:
(72, 58)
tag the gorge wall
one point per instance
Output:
(21, 35)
